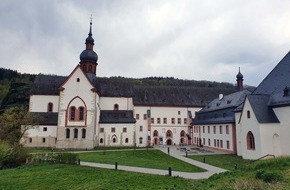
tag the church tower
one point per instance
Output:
(240, 79)
(89, 58)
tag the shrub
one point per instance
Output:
(269, 176)
(12, 155)
(67, 158)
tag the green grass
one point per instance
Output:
(72, 177)
(79, 177)
(226, 161)
(139, 158)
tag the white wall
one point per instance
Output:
(107, 103)
(107, 135)
(38, 103)
(250, 124)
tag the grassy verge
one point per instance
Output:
(226, 161)
(264, 175)
(78, 177)
(141, 158)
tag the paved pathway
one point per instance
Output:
(173, 152)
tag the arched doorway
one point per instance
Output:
(169, 142)
(155, 136)
(250, 141)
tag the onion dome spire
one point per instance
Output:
(89, 58)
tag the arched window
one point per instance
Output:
(101, 140)
(67, 133)
(248, 114)
(49, 107)
(182, 133)
(84, 131)
(126, 140)
(114, 139)
(169, 133)
(76, 133)
(250, 141)
(116, 107)
(155, 133)
(81, 113)
(72, 113)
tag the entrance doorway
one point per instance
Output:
(169, 142)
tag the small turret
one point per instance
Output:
(240, 79)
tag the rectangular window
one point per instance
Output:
(179, 120)
(178, 112)
(218, 143)
(185, 120)
(137, 116)
(208, 129)
(101, 130)
(124, 130)
(164, 120)
(221, 142)
(221, 129)
(203, 129)
(228, 144)
(227, 129)
(30, 140)
(141, 128)
(113, 130)
(145, 116)
(43, 140)
(203, 141)
(208, 142)
(214, 129)
(172, 120)
(158, 120)
(152, 120)
(44, 128)
(214, 142)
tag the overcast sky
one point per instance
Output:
(194, 39)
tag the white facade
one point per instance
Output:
(269, 138)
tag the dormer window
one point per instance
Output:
(286, 91)
(218, 104)
(229, 101)
(116, 107)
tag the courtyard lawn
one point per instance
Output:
(78, 177)
(226, 161)
(139, 158)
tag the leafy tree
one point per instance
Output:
(14, 122)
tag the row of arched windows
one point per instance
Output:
(76, 133)
(168, 133)
(76, 114)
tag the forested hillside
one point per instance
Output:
(15, 87)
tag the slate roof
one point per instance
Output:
(220, 110)
(260, 105)
(46, 118)
(142, 95)
(46, 85)
(277, 79)
(116, 116)
(175, 96)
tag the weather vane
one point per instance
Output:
(91, 18)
